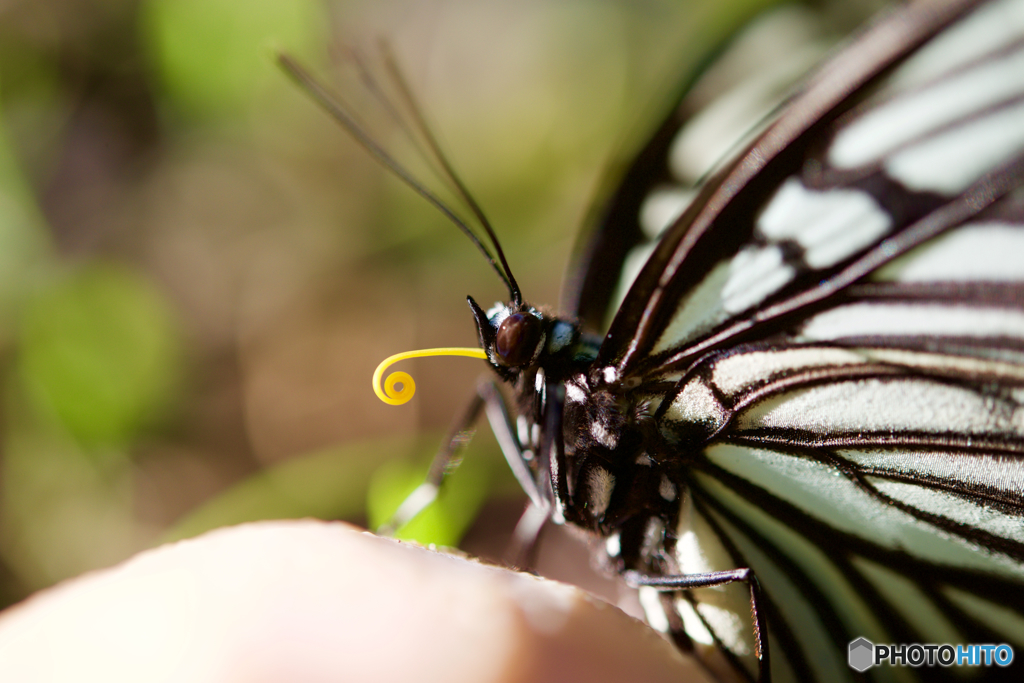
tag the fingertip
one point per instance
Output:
(314, 601)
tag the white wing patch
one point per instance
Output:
(946, 363)
(938, 320)
(988, 29)
(912, 115)
(696, 309)
(755, 273)
(830, 225)
(692, 624)
(939, 502)
(699, 548)
(897, 406)
(650, 600)
(696, 403)
(1001, 473)
(982, 252)
(742, 371)
(951, 112)
(662, 207)
(949, 162)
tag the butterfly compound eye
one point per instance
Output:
(517, 339)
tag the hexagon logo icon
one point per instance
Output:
(861, 655)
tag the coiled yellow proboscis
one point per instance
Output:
(396, 397)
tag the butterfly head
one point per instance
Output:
(517, 338)
(512, 336)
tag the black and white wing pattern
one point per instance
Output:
(825, 353)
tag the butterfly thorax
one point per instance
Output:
(606, 474)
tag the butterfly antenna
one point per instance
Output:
(331, 105)
(420, 135)
(417, 115)
(372, 86)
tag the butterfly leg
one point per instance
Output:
(489, 400)
(677, 582)
(522, 551)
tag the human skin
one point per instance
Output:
(311, 601)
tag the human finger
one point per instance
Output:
(312, 601)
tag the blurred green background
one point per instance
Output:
(199, 270)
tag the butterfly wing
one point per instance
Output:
(841, 312)
(875, 491)
(721, 103)
(767, 236)
(601, 252)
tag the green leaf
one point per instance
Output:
(327, 484)
(445, 520)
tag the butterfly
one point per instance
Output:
(787, 398)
